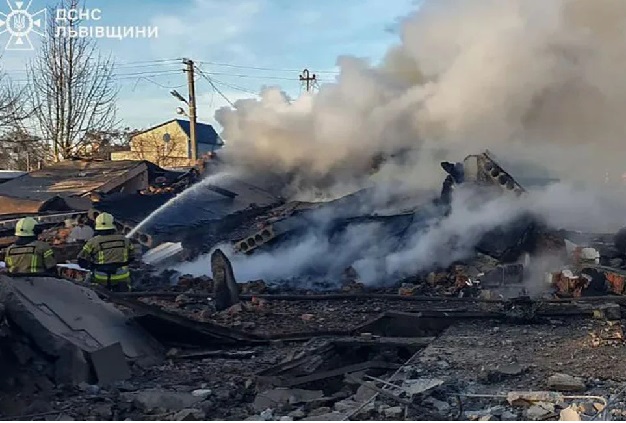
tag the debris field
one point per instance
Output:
(473, 339)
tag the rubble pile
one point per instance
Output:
(465, 341)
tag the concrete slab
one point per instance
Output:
(77, 315)
(110, 364)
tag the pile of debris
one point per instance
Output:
(464, 341)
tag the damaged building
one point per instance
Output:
(458, 338)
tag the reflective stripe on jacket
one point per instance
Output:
(109, 256)
(34, 258)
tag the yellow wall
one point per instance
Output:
(150, 146)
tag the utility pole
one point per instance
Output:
(192, 108)
(306, 77)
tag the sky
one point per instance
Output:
(241, 45)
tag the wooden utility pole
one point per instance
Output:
(306, 77)
(192, 108)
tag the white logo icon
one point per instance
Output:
(19, 23)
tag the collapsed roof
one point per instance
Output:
(67, 185)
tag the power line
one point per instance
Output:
(235, 87)
(148, 63)
(214, 87)
(261, 68)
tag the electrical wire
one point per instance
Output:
(235, 87)
(217, 90)
(205, 62)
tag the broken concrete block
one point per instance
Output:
(155, 399)
(569, 414)
(202, 393)
(501, 373)
(363, 393)
(393, 412)
(420, 386)
(566, 383)
(539, 411)
(110, 364)
(346, 405)
(65, 321)
(71, 368)
(225, 289)
(281, 396)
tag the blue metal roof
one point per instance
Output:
(205, 134)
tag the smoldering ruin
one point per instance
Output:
(438, 237)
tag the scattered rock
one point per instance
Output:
(189, 414)
(346, 405)
(442, 407)
(320, 411)
(297, 414)
(202, 393)
(276, 397)
(267, 414)
(154, 399)
(89, 389)
(476, 415)
(286, 419)
(569, 414)
(501, 373)
(539, 411)
(565, 382)
(393, 412)
(333, 417)
(307, 317)
(102, 411)
(363, 393)
(222, 394)
(508, 416)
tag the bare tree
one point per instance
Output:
(12, 103)
(71, 86)
(21, 150)
(99, 145)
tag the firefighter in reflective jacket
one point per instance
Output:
(28, 256)
(108, 255)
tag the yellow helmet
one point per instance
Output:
(104, 222)
(25, 227)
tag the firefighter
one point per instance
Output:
(28, 256)
(108, 255)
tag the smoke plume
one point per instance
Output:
(530, 80)
(527, 79)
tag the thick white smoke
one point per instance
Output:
(528, 79)
(522, 77)
(429, 243)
